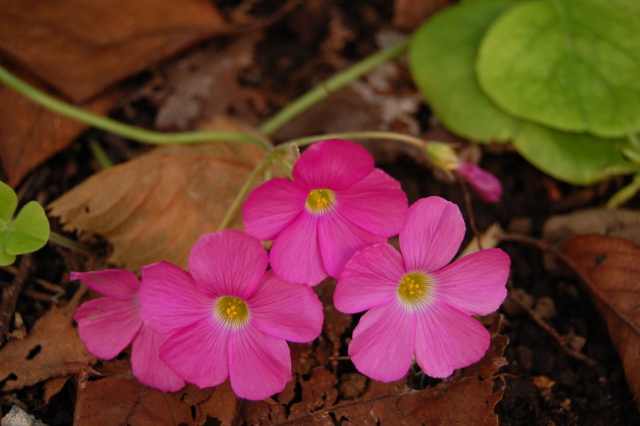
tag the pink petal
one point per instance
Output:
(116, 283)
(106, 326)
(340, 239)
(447, 339)
(382, 344)
(146, 364)
(170, 299)
(488, 187)
(369, 279)
(271, 207)
(228, 263)
(332, 164)
(260, 365)
(376, 203)
(295, 254)
(199, 353)
(432, 235)
(475, 284)
(287, 311)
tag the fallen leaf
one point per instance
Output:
(30, 134)
(123, 400)
(622, 223)
(205, 83)
(81, 47)
(155, 207)
(219, 404)
(608, 267)
(409, 14)
(52, 342)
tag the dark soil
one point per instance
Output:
(545, 384)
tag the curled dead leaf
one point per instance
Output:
(155, 207)
(53, 341)
(609, 268)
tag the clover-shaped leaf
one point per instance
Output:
(28, 232)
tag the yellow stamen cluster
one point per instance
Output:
(320, 200)
(415, 288)
(232, 311)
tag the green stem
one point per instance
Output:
(625, 193)
(124, 130)
(335, 83)
(68, 243)
(411, 140)
(99, 153)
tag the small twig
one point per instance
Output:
(55, 288)
(560, 340)
(467, 204)
(10, 296)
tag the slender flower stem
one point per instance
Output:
(124, 130)
(99, 153)
(338, 81)
(68, 243)
(411, 140)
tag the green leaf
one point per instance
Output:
(578, 158)
(8, 203)
(5, 258)
(572, 65)
(442, 55)
(29, 231)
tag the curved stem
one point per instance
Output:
(411, 140)
(124, 130)
(68, 243)
(318, 93)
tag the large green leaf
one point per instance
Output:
(8, 203)
(577, 158)
(442, 55)
(29, 231)
(573, 65)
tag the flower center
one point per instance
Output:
(415, 288)
(232, 311)
(320, 200)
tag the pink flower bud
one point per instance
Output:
(484, 183)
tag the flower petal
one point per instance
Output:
(106, 326)
(146, 364)
(475, 284)
(369, 279)
(116, 283)
(295, 254)
(287, 311)
(432, 235)
(376, 203)
(332, 164)
(260, 365)
(340, 239)
(382, 344)
(271, 207)
(447, 339)
(199, 353)
(488, 187)
(228, 263)
(170, 299)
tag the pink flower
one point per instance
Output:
(337, 204)
(484, 183)
(109, 324)
(229, 318)
(417, 304)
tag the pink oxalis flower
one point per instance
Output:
(108, 325)
(229, 318)
(337, 204)
(418, 305)
(488, 187)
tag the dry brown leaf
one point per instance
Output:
(119, 400)
(81, 47)
(30, 134)
(469, 397)
(218, 404)
(409, 14)
(609, 268)
(52, 342)
(155, 207)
